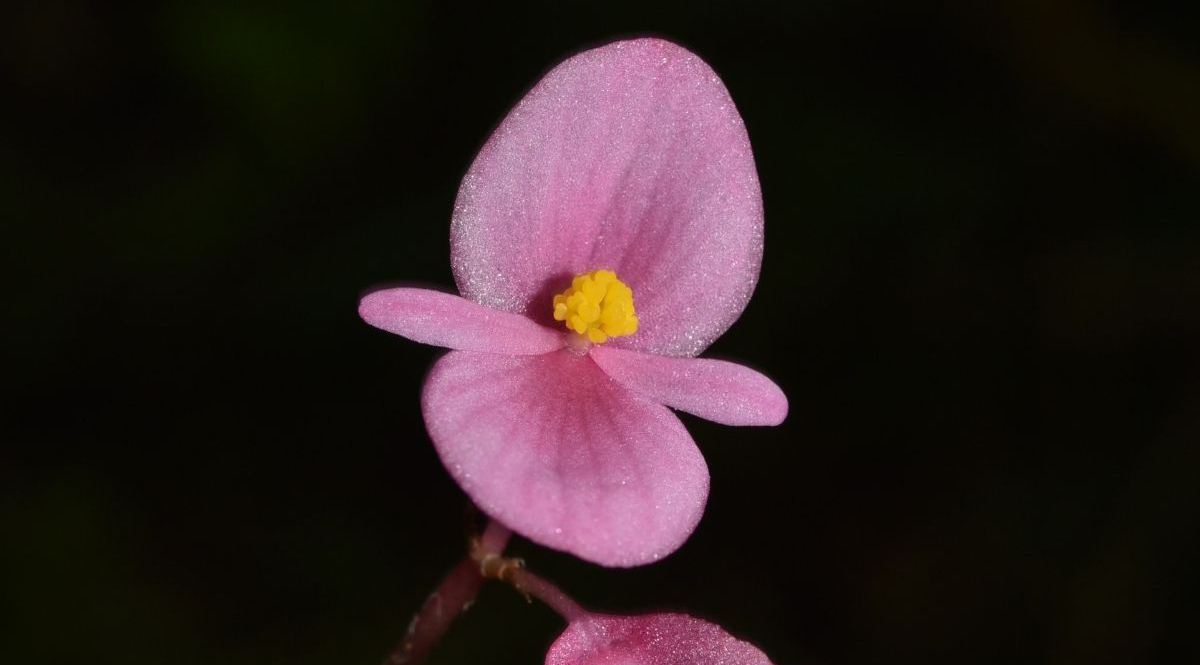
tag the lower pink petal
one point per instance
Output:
(443, 319)
(716, 390)
(652, 639)
(565, 456)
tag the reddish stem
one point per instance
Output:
(460, 586)
(454, 595)
(546, 592)
(495, 537)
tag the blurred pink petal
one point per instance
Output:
(716, 390)
(562, 454)
(442, 319)
(629, 157)
(653, 639)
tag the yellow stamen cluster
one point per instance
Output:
(598, 305)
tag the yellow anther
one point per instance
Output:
(597, 306)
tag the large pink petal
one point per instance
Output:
(630, 157)
(653, 639)
(442, 319)
(720, 391)
(565, 456)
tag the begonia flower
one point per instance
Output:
(654, 639)
(608, 231)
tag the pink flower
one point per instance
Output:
(654, 639)
(624, 183)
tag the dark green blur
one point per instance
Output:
(981, 292)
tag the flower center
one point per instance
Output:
(597, 306)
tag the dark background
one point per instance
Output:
(980, 293)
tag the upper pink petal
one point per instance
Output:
(443, 319)
(716, 390)
(653, 639)
(565, 456)
(629, 157)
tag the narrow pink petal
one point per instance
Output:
(652, 639)
(629, 157)
(716, 390)
(442, 319)
(565, 456)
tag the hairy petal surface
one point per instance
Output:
(443, 319)
(564, 455)
(716, 390)
(629, 157)
(653, 639)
